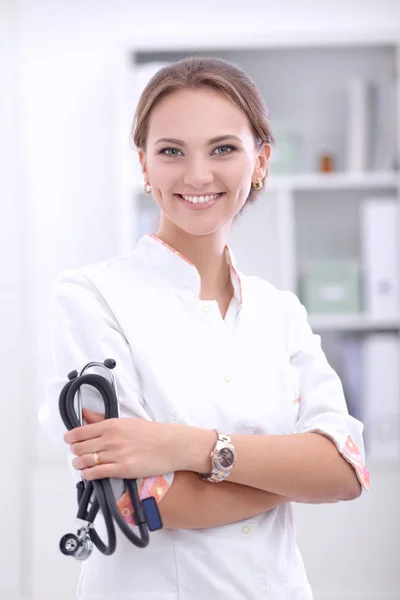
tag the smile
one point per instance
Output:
(200, 199)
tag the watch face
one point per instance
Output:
(225, 458)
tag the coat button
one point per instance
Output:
(206, 309)
(228, 378)
(246, 529)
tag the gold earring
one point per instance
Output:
(147, 188)
(258, 184)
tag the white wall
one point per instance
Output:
(65, 193)
(14, 351)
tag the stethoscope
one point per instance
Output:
(99, 493)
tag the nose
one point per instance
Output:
(198, 173)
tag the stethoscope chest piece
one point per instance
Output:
(79, 546)
(98, 495)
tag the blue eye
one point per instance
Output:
(225, 147)
(220, 150)
(167, 151)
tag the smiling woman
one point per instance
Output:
(199, 171)
(195, 165)
(230, 409)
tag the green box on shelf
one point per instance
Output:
(331, 286)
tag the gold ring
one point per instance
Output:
(96, 458)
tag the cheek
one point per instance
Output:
(235, 173)
(163, 175)
(239, 171)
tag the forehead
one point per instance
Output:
(194, 113)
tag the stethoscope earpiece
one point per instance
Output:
(99, 493)
(110, 363)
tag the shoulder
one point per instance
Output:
(286, 315)
(116, 291)
(104, 290)
(96, 277)
(272, 297)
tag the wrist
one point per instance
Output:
(194, 447)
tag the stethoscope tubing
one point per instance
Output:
(104, 498)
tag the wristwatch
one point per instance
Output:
(223, 458)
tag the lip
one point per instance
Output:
(199, 205)
(199, 195)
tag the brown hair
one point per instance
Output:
(198, 72)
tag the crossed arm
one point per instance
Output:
(270, 471)
(191, 503)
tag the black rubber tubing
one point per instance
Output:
(104, 494)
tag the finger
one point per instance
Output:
(84, 432)
(88, 432)
(88, 446)
(92, 417)
(87, 461)
(103, 471)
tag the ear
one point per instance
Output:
(262, 160)
(142, 160)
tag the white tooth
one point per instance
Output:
(197, 199)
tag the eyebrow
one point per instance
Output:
(214, 140)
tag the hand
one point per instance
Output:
(128, 448)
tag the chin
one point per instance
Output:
(199, 229)
(199, 224)
(205, 225)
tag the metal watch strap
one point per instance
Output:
(217, 475)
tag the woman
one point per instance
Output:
(200, 347)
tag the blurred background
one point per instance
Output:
(326, 227)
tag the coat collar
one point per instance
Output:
(179, 270)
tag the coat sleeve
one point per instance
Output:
(83, 328)
(322, 405)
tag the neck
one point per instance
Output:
(207, 253)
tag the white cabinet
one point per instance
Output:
(333, 106)
(305, 215)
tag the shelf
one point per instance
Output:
(320, 181)
(173, 41)
(334, 181)
(352, 323)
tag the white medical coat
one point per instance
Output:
(260, 370)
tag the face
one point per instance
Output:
(200, 159)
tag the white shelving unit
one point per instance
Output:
(303, 80)
(336, 181)
(352, 322)
(290, 193)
